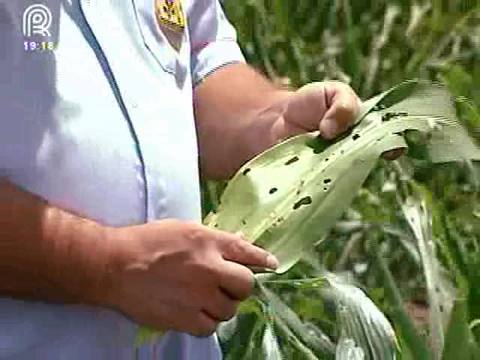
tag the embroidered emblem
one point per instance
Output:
(169, 13)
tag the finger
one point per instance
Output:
(202, 324)
(193, 321)
(393, 154)
(236, 248)
(220, 306)
(236, 280)
(343, 106)
(170, 317)
(306, 108)
(260, 270)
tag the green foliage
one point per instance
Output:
(291, 195)
(374, 45)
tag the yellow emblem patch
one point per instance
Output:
(170, 14)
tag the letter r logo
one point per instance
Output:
(37, 19)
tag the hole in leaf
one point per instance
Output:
(325, 189)
(390, 115)
(246, 171)
(292, 160)
(244, 222)
(355, 137)
(273, 190)
(326, 159)
(307, 200)
(327, 181)
(379, 107)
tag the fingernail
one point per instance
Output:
(328, 128)
(272, 262)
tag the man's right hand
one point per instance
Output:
(180, 276)
(169, 274)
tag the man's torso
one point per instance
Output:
(102, 126)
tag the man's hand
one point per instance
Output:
(330, 107)
(181, 276)
(168, 274)
(239, 114)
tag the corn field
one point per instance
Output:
(397, 274)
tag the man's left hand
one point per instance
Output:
(240, 113)
(330, 107)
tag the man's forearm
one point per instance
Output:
(47, 253)
(236, 109)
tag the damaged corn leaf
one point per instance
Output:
(291, 195)
(268, 329)
(302, 337)
(362, 322)
(441, 293)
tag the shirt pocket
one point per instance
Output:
(155, 40)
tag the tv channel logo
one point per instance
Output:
(37, 19)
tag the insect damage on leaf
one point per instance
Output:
(391, 115)
(430, 110)
(379, 107)
(292, 160)
(307, 200)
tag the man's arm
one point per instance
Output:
(144, 271)
(240, 113)
(47, 253)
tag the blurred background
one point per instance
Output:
(374, 45)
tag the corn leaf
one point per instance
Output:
(460, 342)
(347, 350)
(270, 347)
(291, 195)
(410, 337)
(241, 337)
(358, 319)
(291, 325)
(440, 291)
(362, 322)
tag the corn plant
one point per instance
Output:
(373, 45)
(289, 197)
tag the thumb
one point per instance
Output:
(343, 107)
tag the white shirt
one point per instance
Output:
(103, 126)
